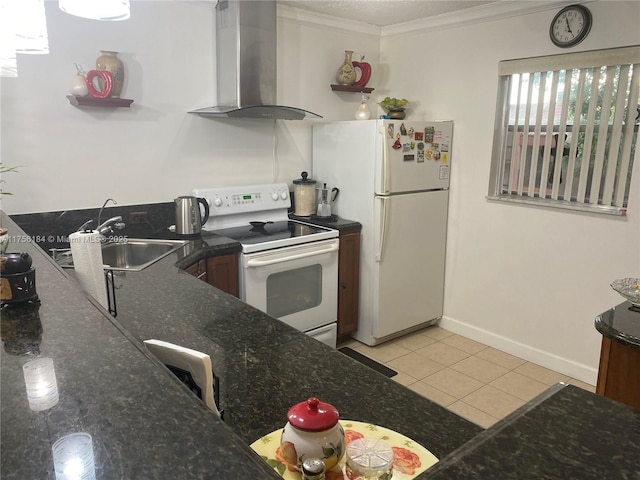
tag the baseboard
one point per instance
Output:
(565, 366)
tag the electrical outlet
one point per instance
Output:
(138, 217)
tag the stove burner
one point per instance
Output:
(259, 227)
(257, 218)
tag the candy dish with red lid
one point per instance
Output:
(313, 431)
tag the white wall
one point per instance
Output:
(74, 157)
(524, 279)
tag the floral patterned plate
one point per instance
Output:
(411, 459)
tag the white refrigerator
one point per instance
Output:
(393, 177)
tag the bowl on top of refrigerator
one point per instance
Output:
(629, 288)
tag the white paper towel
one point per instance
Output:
(86, 251)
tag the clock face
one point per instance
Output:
(570, 26)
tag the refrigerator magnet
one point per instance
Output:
(403, 131)
(444, 172)
(429, 152)
(429, 131)
(436, 152)
(406, 147)
(397, 144)
(411, 131)
(409, 158)
(419, 136)
(390, 130)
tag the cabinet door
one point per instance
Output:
(618, 375)
(198, 270)
(348, 283)
(222, 273)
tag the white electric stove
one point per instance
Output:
(288, 268)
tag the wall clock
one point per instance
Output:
(570, 26)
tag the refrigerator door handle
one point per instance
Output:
(383, 227)
(385, 173)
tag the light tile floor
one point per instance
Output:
(475, 381)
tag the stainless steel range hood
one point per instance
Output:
(246, 63)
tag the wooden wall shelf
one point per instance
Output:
(98, 102)
(351, 88)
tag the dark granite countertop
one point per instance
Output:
(341, 224)
(565, 433)
(266, 366)
(621, 323)
(144, 423)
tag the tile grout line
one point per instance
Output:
(483, 384)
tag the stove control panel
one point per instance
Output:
(250, 201)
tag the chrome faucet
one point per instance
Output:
(108, 225)
(85, 226)
(104, 205)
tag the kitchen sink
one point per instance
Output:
(133, 254)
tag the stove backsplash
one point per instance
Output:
(51, 229)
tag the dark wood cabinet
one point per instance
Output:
(619, 372)
(219, 271)
(348, 283)
(222, 273)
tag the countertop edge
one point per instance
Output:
(492, 431)
(613, 333)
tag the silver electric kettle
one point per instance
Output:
(189, 218)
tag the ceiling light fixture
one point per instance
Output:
(109, 10)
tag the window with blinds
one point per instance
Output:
(566, 130)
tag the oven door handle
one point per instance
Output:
(253, 263)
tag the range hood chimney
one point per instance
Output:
(246, 63)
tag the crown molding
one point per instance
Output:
(327, 22)
(482, 13)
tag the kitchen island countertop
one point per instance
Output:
(621, 323)
(564, 433)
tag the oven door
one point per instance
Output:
(298, 285)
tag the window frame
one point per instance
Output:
(507, 132)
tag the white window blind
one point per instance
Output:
(566, 130)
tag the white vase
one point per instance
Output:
(363, 112)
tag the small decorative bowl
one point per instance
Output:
(629, 288)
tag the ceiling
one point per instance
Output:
(385, 12)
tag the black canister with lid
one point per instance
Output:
(17, 279)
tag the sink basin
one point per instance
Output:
(134, 254)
